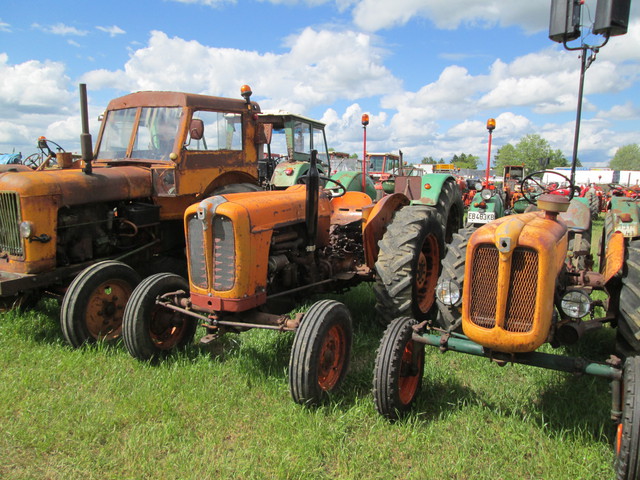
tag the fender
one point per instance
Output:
(375, 223)
(352, 181)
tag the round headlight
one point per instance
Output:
(26, 229)
(478, 185)
(486, 194)
(448, 292)
(575, 303)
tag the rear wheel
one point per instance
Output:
(320, 353)
(628, 313)
(150, 330)
(397, 375)
(93, 306)
(450, 208)
(408, 264)
(627, 440)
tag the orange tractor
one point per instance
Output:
(86, 233)
(249, 251)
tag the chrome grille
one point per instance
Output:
(224, 254)
(10, 218)
(197, 260)
(484, 286)
(523, 285)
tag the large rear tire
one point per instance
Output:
(627, 440)
(629, 315)
(93, 306)
(408, 264)
(450, 316)
(397, 375)
(450, 208)
(320, 353)
(151, 331)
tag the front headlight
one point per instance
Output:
(26, 229)
(448, 292)
(486, 194)
(575, 303)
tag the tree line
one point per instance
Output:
(535, 153)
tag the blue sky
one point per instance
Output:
(428, 72)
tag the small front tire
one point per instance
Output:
(397, 375)
(320, 353)
(94, 303)
(627, 440)
(150, 330)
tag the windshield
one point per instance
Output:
(154, 137)
(376, 162)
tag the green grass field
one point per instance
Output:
(224, 411)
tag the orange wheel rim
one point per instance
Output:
(103, 316)
(332, 357)
(166, 328)
(618, 439)
(409, 376)
(427, 273)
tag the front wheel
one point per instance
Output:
(397, 375)
(94, 303)
(320, 353)
(150, 330)
(627, 441)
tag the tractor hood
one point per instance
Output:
(73, 186)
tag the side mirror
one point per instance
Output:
(196, 129)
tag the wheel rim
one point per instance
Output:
(409, 375)
(105, 309)
(332, 357)
(166, 328)
(618, 445)
(427, 273)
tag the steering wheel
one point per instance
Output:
(33, 161)
(337, 191)
(532, 186)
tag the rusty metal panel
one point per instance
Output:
(614, 256)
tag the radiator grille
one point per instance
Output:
(484, 286)
(10, 218)
(197, 265)
(224, 254)
(523, 284)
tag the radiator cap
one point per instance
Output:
(553, 203)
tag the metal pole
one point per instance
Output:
(583, 67)
(364, 159)
(488, 159)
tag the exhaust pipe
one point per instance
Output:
(85, 136)
(311, 213)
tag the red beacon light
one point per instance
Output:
(365, 119)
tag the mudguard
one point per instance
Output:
(352, 181)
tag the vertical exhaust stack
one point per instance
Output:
(311, 214)
(85, 136)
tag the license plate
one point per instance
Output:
(480, 217)
(628, 229)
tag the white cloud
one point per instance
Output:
(627, 111)
(374, 15)
(113, 30)
(60, 29)
(4, 26)
(319, 68)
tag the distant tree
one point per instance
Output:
(626, 158)
(428, 160)
(353, 155)
(465, 161)
(533, 152)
